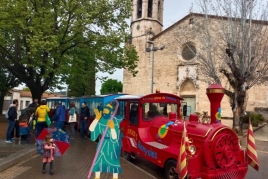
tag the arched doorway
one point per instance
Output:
(188, 92)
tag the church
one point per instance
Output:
(166, 63)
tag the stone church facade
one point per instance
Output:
(174, 70)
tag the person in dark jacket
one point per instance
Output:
(26, 116)
(12, 116)
(59, 116)
(84, 115)
(34, 104)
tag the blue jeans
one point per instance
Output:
(9, 129)
(60, 125)
(39, 127)
(83, 128)
(16, 130)
(72, 124)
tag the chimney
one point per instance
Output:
(215, 94)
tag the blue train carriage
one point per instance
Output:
(97, 101)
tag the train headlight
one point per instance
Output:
(192, 149)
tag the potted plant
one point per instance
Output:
(258, 118)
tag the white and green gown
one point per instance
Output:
(108, 159)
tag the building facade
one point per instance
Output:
(173, 69)
(24, 98)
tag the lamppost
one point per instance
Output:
(153, 49)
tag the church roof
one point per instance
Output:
(200, 15)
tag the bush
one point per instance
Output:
(197, 113)
(254, 117)
(246, 117)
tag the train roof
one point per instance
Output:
(130, 96)
(102, 95)
(139, 96)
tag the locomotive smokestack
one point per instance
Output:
(215, 94)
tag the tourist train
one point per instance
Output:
(153, 125)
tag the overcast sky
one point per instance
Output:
(174, 10)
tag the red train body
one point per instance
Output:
(152, 129)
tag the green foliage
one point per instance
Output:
(254, 117)
(26, 89)
(111, 86)
(197, 113)
(47, 43)
(7, 82)
(81, 78)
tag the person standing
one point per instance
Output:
(72, 113)
(48, 155)
(34, 104)
(15, 133)
(84, 115)
(41, 113)
(12, 116)
(59, 116)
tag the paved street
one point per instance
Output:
(75, 163)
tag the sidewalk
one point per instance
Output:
(75, 163)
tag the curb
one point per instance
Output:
(139, 168)
(17, 157)
(254, 129)
(259, 127)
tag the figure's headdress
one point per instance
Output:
(109, 105)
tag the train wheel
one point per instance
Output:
(170, 170)
(126, 155)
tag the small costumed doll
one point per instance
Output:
(108, 159)
(48, 154)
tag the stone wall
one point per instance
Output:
(171, 71)
(263, 111)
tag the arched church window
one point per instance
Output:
(188, 51)
(159, 11)
(139, 13)
(150, 8)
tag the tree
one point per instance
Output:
(111, 86)
(233, 47)
(7, 81)
(39, 39)
(82, 82)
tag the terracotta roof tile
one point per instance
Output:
(24, 93)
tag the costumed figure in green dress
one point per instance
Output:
(108, 159)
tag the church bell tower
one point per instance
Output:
(147, 17)
(146, 22)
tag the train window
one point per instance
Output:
(133, 113)
(151, 110)
(49, 104)
(121, 109)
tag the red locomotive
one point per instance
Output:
(152, 128)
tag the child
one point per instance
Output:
(24, 132)
(49, 149)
